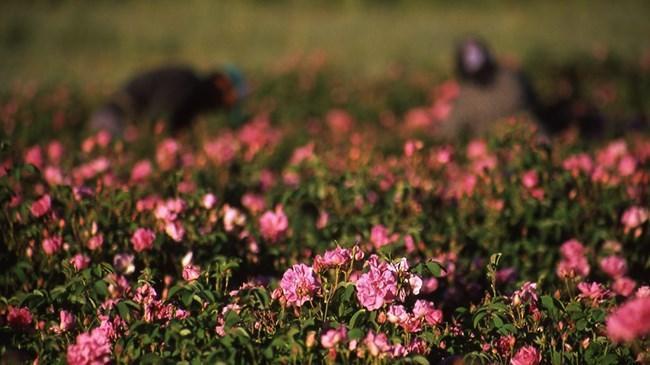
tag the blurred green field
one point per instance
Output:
(102, 42)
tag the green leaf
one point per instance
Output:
(100, 288)
(124, 311)
(420, 360)
(435, 268)
(355, 317)
(185, 332)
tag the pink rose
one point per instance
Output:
(41, 206)
(527, 355)
(376, 287)
(634, 217)
(624, 286)
(52, 244)
(19, 318)
(629, 321)
(299, 284)
(141, 171)
(529, 179)
(614, 266)
(142, 239)
(80, 261)
(191, 272)
(274, 224)
(333, 336)
(95, 242)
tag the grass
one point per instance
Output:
(103, 42)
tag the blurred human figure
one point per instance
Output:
(175, 93)
(488, 91)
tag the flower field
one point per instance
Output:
(326, 227)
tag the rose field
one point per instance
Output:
(328, 224)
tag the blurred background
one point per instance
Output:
(104, 42)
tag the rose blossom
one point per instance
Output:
(191, 272)
(376, 343)
(593, 291)
(333, 336)
(175, 230)
(527, 355)
(41, 206)
(614, 266)
(95, 242)
(379, 236)
(124, 263)
(629, 321)
(274, 224)
(332, 258)
(80, 261)
(634, 217)
(376, 287)
(142, 239)
(624, 286)
(425, 309)
(19, 318)
(141, 171)
(52, 244)
(208, 201)
(91, 348)
(299, 284)
(529, 179)
(66, 321)
(397, 314)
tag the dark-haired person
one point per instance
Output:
(488, 91)
(175, 93)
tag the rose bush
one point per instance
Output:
(342, 241)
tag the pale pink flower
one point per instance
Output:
(332, 258)
(124, 263)
(626, 166)
(629, 321)
(333, 337)
(80, 261)
(578, 163)
(55, 152)
(53, 175)
(303, 153)
(376, 287)
(411, 146)
(379, 236)
(208, 201)
(339, 121)
(52, 244)
(41, 206)
(191, 272)
(323, 219)
(299, 284)
(95, 242)
(377, 343)
(593, 291)
(529, 179)
(634, 217)
(253, 202)
(274, 224)
(175, 230)
(167, 153)
(34, 156)
(223, 149)
(142, 239)
(614, 266)
(527, 355)
(232, 217)
(91, 348)
(624, 286)
(425, 309)
(67, 320)
(477, 149)
(643, 292)
(572, 249)
(141, 171)
(429, 285)
(526, 294)
(397, 314)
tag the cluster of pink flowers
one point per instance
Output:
(616, 268)
(299, 285)
(168, 213)
(155, 309)
(142, 239)
(91, 348)
(424, 312)
(530, 181)
(378, 345)
(573, 263)
(274, 224)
